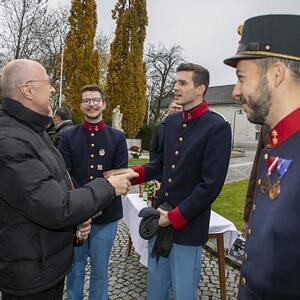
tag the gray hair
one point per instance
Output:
(294, 66)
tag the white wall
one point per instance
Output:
(244, 132)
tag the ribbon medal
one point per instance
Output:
(282, 167)
(265, 184)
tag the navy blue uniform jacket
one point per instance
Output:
(89, 150)
(193, 165)
(272, 260)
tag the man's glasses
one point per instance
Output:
(88, 101)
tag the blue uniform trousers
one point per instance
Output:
(181, 271)
(98, 248)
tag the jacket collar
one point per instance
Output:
(287, 127)
(195, 112)
(32, 119)
(64, 123)
(93, 127)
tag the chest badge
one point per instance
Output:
(102, 152)
(99, 167)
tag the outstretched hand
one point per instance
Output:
(121, 183)
(109, 173)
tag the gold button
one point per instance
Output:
(169, 180)
(91, 177)
(173, 167)
(167, 194)
(245, 258)
(242, 281)
(92, 155)
(92, 145)
(266, 156)
(181, 139)
(259, 182)
(176, 152)
(184, 125)
(92, 166)
(92, 134)
(254, 207)
(249, 231)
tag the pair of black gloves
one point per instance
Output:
(149, 228)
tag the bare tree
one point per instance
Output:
(161, 63)
(51, 36)
(20, 20)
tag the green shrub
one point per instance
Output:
(145, 135)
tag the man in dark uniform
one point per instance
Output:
(268, 71)
(89, 149)
(193, 167)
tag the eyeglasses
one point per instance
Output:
(88, 101)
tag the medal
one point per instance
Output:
(265, 185)
(101, 152)
(282, 167)
(100, 167)
(274, 190)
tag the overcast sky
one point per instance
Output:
(207, 30)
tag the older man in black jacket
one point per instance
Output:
(37, 208)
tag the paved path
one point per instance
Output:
(127, 279)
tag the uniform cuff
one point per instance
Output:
(176, 219)
(141, 178)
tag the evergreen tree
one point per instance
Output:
(81, 60)
(126, 80)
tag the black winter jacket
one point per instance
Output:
(37, 210)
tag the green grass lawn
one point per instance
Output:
(230, 203)
(137, 161)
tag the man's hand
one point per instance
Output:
(85, 229)
(109, 173)
(121, 183)
(163, 219)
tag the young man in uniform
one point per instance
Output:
(268, 69)
(89, 149)
(192, 167)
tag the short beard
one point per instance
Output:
(93, 119)
(260, 103)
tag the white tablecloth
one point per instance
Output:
(132, 204)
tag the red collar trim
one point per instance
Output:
(93, 127)
(195, 112)
(287, 127)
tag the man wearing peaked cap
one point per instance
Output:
(268, 69)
